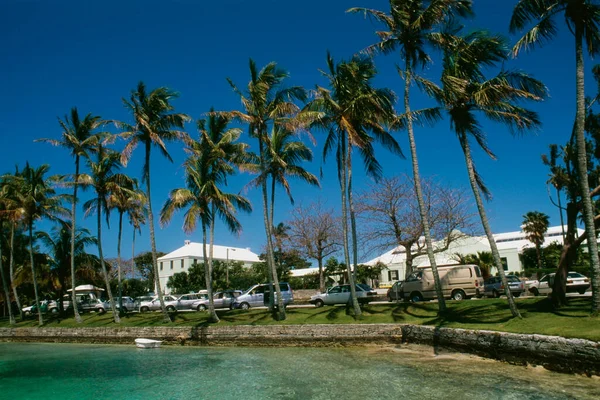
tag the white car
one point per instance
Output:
(576, 282)
(154, 304)
(45, 305)
(186, 301)
(341, 295)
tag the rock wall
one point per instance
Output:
(552, 352)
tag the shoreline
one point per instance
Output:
(554, 353)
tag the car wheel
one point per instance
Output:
(124, 309)
(170, 308)
(415, 297)
(535, 291)
(319, 303)
(459, 295)
(54, 310)
(244, 306)
(582, 291)
(516, 294)
(27, 313)
(101, 310)
(144, 309)
(201, 307)
(495, 294)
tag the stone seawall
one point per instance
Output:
(552, 352)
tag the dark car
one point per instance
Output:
(493, 286)
(395, 293)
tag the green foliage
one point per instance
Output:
(143, 263)
(369, 273)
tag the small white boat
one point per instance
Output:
(147, 343)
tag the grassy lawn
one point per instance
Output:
(572, 321)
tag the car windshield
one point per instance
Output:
(575, 275)
(512, 278)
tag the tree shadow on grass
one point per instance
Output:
(576, 307)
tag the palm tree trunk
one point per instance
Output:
(103, 264)
(538, 253)
(11, 317)
(344, 170)
(166, 316)
(269, 233)
(73, 230)
(33, 278)
(271, 225)
(408, 269)
(419, 193)
(487, 228)
(588, 210)
(11, 270)
(321, 275)
(560, 210)
(208, 271)
(119, 262)
(352, 215)
(133, 254)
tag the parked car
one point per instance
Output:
(154, 304)
(458, 282)
(186, 301)
(493, 286)
(86, 303)
(258, 295)
(341, 295)
(396, 292)
(128, 303)
(224, 299)
(576, 282)
(45, 306)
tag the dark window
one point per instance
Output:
(161, 266)
(182, 263)
(284, 287)
(171, 264)
(504, 263)
(478, 272)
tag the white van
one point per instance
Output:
(458, 282)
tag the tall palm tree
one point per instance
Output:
(267, 103)
(409, 28)
(583, 20)
(466, 93)
(207, 168)
(7, 212)
(38, 200)
(153, 125)
(558, 178)
(354, 114)
(79, 139)
(137, 218)
(125, 198)
(58, 244)
(105, 180)
(535, 225)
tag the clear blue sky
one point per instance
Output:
(55, 55)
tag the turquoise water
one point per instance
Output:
(74, 371)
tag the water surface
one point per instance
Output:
(77, 371)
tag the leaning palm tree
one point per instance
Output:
(78, 138)
(354, 114)
(105, 180)
(466, 93)
(535, 225)
(125, 198)
(267, 103)
(583, 20)
(207, 168)
(38, 200)
(409, 28)
(153, 125)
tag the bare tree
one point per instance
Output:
(390, 216)
(315, 231)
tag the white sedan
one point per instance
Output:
(576, 282)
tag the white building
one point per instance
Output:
(184, 257)
(510, 246)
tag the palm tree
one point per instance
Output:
(38, 200)
(484, 259)
(558, 178)
(267, 104)
(409, 28)
(137, 218)
(354, 114)
(7, 212)
(126, 199)
(79, 140)
(58, 243)
(105, 181)
(583, 19)
(535, 225)
(466, 92)
(207, 168)
(153, 125)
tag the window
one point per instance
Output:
(171, 264)
(504, 263)
(393, 275)
(161, 266)
(335, 289)
(195, 261)
(182, 263)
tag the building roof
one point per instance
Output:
(195, 250)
